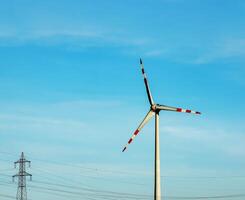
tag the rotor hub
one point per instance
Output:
(154, 107)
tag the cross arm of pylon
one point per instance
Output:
(149, 115)
(27, 174)
(15, 176)
(23, 174)
(169, 108)
(22, 160)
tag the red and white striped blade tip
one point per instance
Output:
(131, 139)
(188, 111)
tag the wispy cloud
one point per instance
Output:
(229, 143)
(76, 37)
(22, 122)
(196, 53)
(224, 49)
(48, 116)
(155, 53)
(70, 121)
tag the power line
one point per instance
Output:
(81, 191)
(87, 189)
(59, 163)
(7, 196)
(3, 170)
(60, 191)
(209, 197)
(95, 194)
(92, 193)
(55, 176)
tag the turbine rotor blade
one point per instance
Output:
(169, 108)
(146, 83)
(149, 115)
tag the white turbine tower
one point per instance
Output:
(155, 110)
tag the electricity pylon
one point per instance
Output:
(21, 191)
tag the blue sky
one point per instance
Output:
(71, 95)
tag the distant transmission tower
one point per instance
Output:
(21, 191)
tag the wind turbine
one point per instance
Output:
(155, 110)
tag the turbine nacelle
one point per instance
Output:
(154, 107)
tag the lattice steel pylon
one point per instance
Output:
(21, 191)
